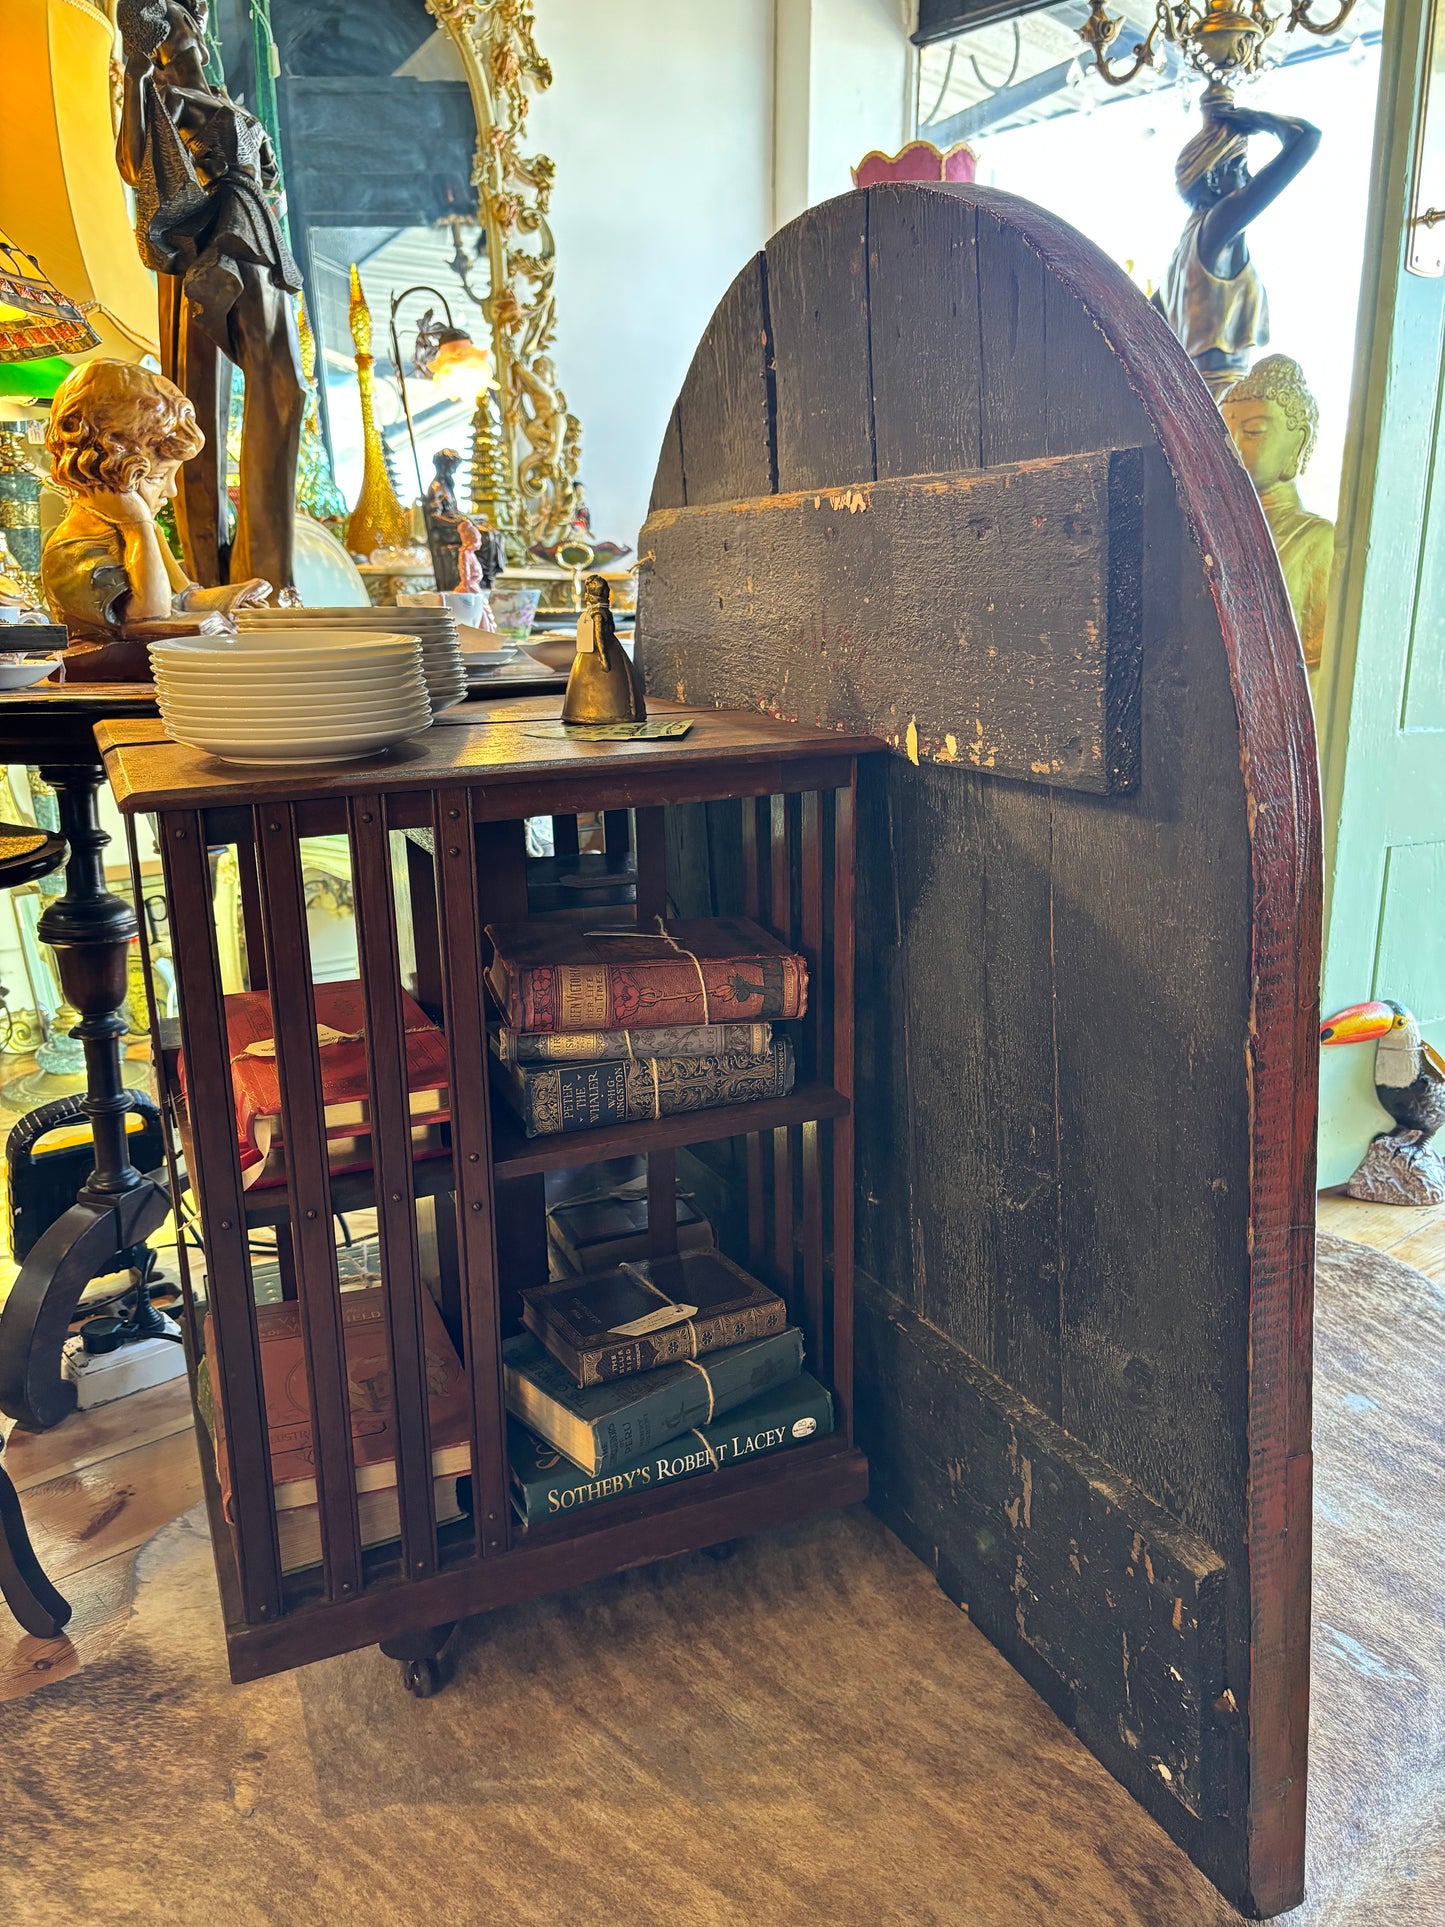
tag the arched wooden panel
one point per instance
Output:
(1086, 999)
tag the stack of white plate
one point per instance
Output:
(436, 630)
(325, 696)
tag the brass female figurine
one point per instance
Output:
(203, 171)
(117, 438)
(605, 686)
(1212, 296)
(1274, 418)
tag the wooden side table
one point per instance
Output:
(472, 784)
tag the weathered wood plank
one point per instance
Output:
(1020, 658)
(1013, 349)
(1153, 1114)
(1108, 1606)
(817, 277)
(923, 332)
(974, 889)
(668, 490)
(724, 412)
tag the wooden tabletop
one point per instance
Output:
(486, 744)
(53, 722)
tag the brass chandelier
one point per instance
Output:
(1223, 40)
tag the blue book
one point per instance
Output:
(545, 1485)
(612, 1424)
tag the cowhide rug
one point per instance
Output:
(810, 1733)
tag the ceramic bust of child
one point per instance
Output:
(117, 438)
(1273, 419)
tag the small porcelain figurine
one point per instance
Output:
(1273, 418)
(469, 569)
(605, 686)
(1401, 1166)
(117, 438)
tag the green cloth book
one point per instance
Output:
(544, 1485)
(610, 1425)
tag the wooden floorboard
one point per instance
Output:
(90, 1438)
(1387, 1227)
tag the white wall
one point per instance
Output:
(684, 132)
(660, 121)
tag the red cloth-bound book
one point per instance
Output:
(548, 976)
(341, 1025)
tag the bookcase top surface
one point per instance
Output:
(493, 745)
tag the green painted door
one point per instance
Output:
(1381, 693)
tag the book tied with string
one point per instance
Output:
(345, 1089)
(550, 976)
(602, 1427)
(549, 1098)
(642, 1316)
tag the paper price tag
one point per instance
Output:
(656, 1321)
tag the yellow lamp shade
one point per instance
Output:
(459, 367)
(61, 197)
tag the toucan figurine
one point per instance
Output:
(1399, 1167)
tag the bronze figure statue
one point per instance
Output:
(117, 437)
(605, 685)
(1212, 295)
(203, 173)
(1274, 419)
(444, 522)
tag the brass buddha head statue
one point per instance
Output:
(1273, 420)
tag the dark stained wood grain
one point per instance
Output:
(724, 412)
(498, 760)
(1022, 659)
(1087, 1066)
(318, 1288)
(393, 1177)
(464, 908)
(215, 1173)
(1015, 371)
(923, 319)
(817, 279)
(667, 484)
(1109, 1606)
(736, 1500)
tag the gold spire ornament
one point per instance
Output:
(378, 521)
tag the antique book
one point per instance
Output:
(378, 1515)
(649, 1313)
(596, 1046)
(341, 1024)
(368, 1382)
(578, 1097)
(545, 1485)
(610, 1425)
(594, 1233)
(552, 976)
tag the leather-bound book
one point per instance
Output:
(554, 976)
(604, 1426)
(341, 1026)
(650, 1313)
(594, 1233)
(578, 1097)
(369, 1387)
